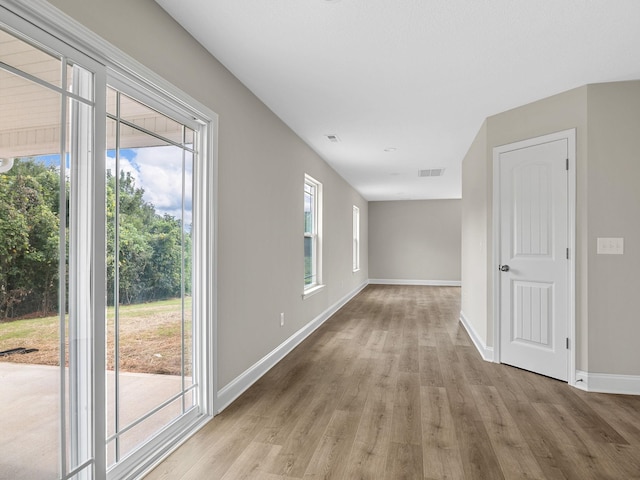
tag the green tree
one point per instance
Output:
(165, 273)
(153, 248)
(150, 246)
(135, 217)
(29, 251)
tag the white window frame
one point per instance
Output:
(131, 463)
(150, 89)
(356, 239)
(47, 22)
(316, 236)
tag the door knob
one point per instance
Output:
(504, 268)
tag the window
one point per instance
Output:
(356, 238)
(107, 201)
(312, 234)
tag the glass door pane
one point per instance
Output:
(30, 316)
(149, 339)
(46, 143)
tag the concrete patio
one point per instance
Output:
(29, 411)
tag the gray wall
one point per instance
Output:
(613, 210)
(415, 240)
(261, 173)
(475, 247)
(607, 121)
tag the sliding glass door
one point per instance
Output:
(150, 159)
(106, 261)
(47, 237)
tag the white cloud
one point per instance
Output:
(158, 170)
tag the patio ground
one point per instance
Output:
(29, 412)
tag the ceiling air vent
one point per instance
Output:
(332, 138)
(431, 172)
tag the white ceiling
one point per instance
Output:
(419, 76)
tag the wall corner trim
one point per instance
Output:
(485, 352)
(429, 283)
(242, 382)
(608, 383)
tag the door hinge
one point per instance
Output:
(567, 343)
(567, 253)
(567, 164)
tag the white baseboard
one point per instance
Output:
(485, 352)
(608, 383)
(430, 283)
(237, 387)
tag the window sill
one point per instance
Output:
(312, 291)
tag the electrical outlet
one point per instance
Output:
(610, 246)
(282, 319)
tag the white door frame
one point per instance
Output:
(570, 137)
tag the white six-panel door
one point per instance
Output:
(533, 256)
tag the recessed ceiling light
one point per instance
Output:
(390, 149)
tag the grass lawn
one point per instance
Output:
(150, 338)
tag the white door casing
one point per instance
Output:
(533, 210)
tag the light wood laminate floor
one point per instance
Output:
(391, 388)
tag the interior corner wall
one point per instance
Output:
(559, 112)
(261, 168)
(564, 111)
(613, 204)
(415, 242)
(475, 249)
(607, 121)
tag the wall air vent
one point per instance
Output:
(431, 172)
(332, 138)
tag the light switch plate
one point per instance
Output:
(610, 246)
